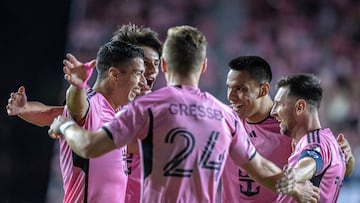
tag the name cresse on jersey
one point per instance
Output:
(194, 110)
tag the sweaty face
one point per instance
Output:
(283, 111)
(133, 80)
(243, 93)
(152, 62)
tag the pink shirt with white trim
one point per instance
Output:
(330, 177)
(102, 179)
(186, 136)
(237, 185)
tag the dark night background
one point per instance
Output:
(32, 49)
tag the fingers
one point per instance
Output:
(53, 131)
(316, 194)
(8, 110)
(340, 137)
(286, 184)
(92, 63)
(285, 168)
(21, 90)
(72, 59)
(13, 97)
(67, 66)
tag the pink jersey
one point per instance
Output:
(186, 136)
(237, 185)
(102, 179)
(133, 189)
(330, 177)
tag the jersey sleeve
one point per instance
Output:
(317, 151)
(126, 126)
(241, 148)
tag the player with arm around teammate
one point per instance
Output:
(248, 82)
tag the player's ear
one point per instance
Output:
(113, 73)
(264, 89)
(204, 66)
(300, 105)
(163, 65)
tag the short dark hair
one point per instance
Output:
(116, 53)
(258, 68)
(303, 86)
(138, 36)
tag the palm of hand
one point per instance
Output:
(16, 102)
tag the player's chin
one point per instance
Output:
(135, 93)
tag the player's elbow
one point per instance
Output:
(87, 151)
(84, 148)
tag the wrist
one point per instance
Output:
(65, 125)
(89, 71)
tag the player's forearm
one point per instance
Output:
(263, 172)
(305, 169)
(77, 103)
(269, 176)
(88, 144)
(78, 139)
(39, 114)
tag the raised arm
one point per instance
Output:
(77, 74)
(33, 112)
(349, 157)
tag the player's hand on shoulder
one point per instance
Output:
(16, 102)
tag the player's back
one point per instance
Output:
(186, 135)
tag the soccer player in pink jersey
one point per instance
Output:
(146, 39)
(41, 115)
(317, 156)
(120, 68)
(248, 82)
(185, 135)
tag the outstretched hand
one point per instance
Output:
(54, 131)
(16, 102)
(76, 72)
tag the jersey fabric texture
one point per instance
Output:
(185, 137)
(237, 185)
(101, 179)
(330, 177)
(133, 189)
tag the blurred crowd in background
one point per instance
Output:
(320, 37)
